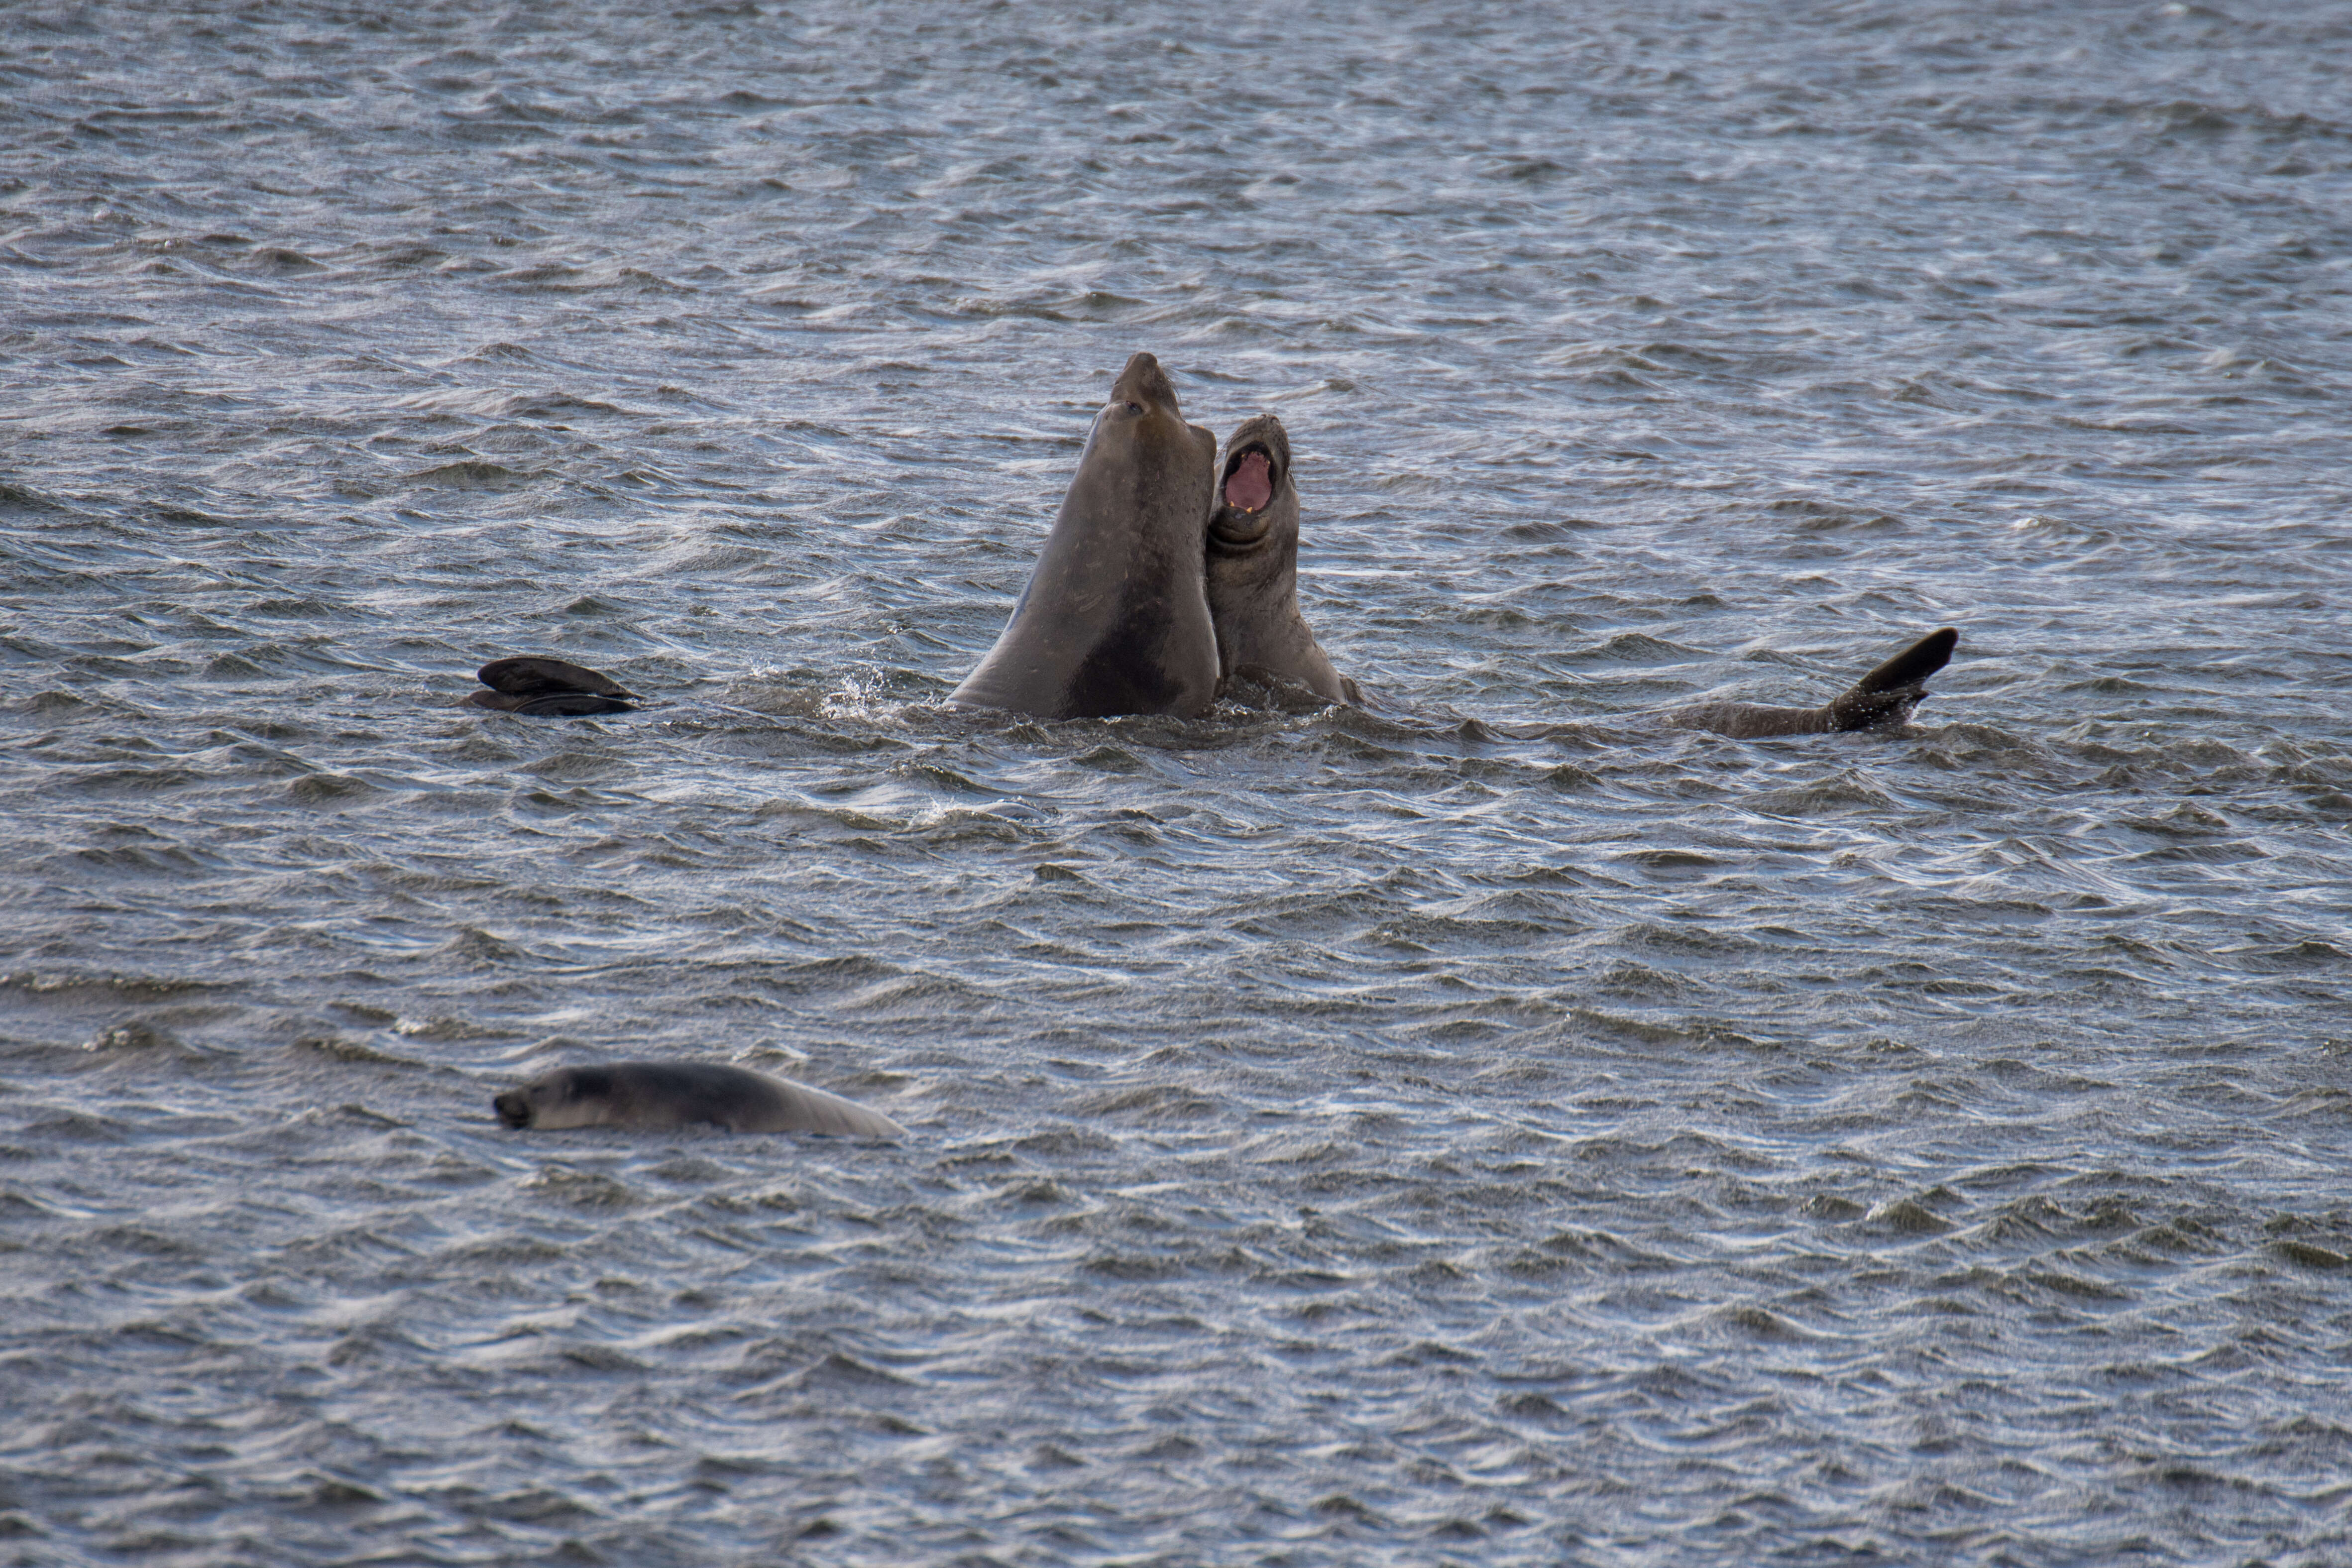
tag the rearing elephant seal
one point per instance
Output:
(1253, 567)
(662, 1095)
(1115, 618)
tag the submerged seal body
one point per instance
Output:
(1253, 568)
(661, 1095)
(540, 687)
(1115, 618)
(1879, 701)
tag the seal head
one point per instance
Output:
(1116, 616)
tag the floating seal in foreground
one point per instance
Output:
(1879, 701)
(1115, 618)
(1253, 568)
(549, 689)
(661, 1095)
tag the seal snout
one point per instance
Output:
(1144, 385)
(549, 688)
(513, 1107)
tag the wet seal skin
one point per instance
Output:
(1253, 569)
(663, 1095)
(539, 688)
(1116, 616)
(1880, 700)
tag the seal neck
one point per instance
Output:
(1254, 553)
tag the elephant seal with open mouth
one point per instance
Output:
(662, 1096)
(1116, 619)
(1253, 568)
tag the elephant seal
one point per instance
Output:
(1253, 568)
(664, 1095)
(1879, 701)
(1115, 618)
(549, 689)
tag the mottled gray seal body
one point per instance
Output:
(540, 687)
(1879, 701)
(664, 1095)
(1253, 568)
(1115, 618)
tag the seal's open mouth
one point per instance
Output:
(1249, 482)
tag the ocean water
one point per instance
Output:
(1486, 1127)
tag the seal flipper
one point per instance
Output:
(1886, 697)
(537, 676)
(1879, 701)
(552, 705)
(539, 687)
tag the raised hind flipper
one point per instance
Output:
(1879, 701)
(1886, 697)
(549, 688)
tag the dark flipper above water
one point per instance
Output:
(1879, 701)
(663, 1095)
(1887, 695)
(549, 688)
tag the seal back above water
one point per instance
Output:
(668, 1095)
(1879, 701)
(1115, 618)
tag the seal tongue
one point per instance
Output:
(1248, 486)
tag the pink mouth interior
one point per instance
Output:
(1249, 486)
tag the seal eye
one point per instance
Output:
(1135, 408)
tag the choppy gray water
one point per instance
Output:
(1486, 1129)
